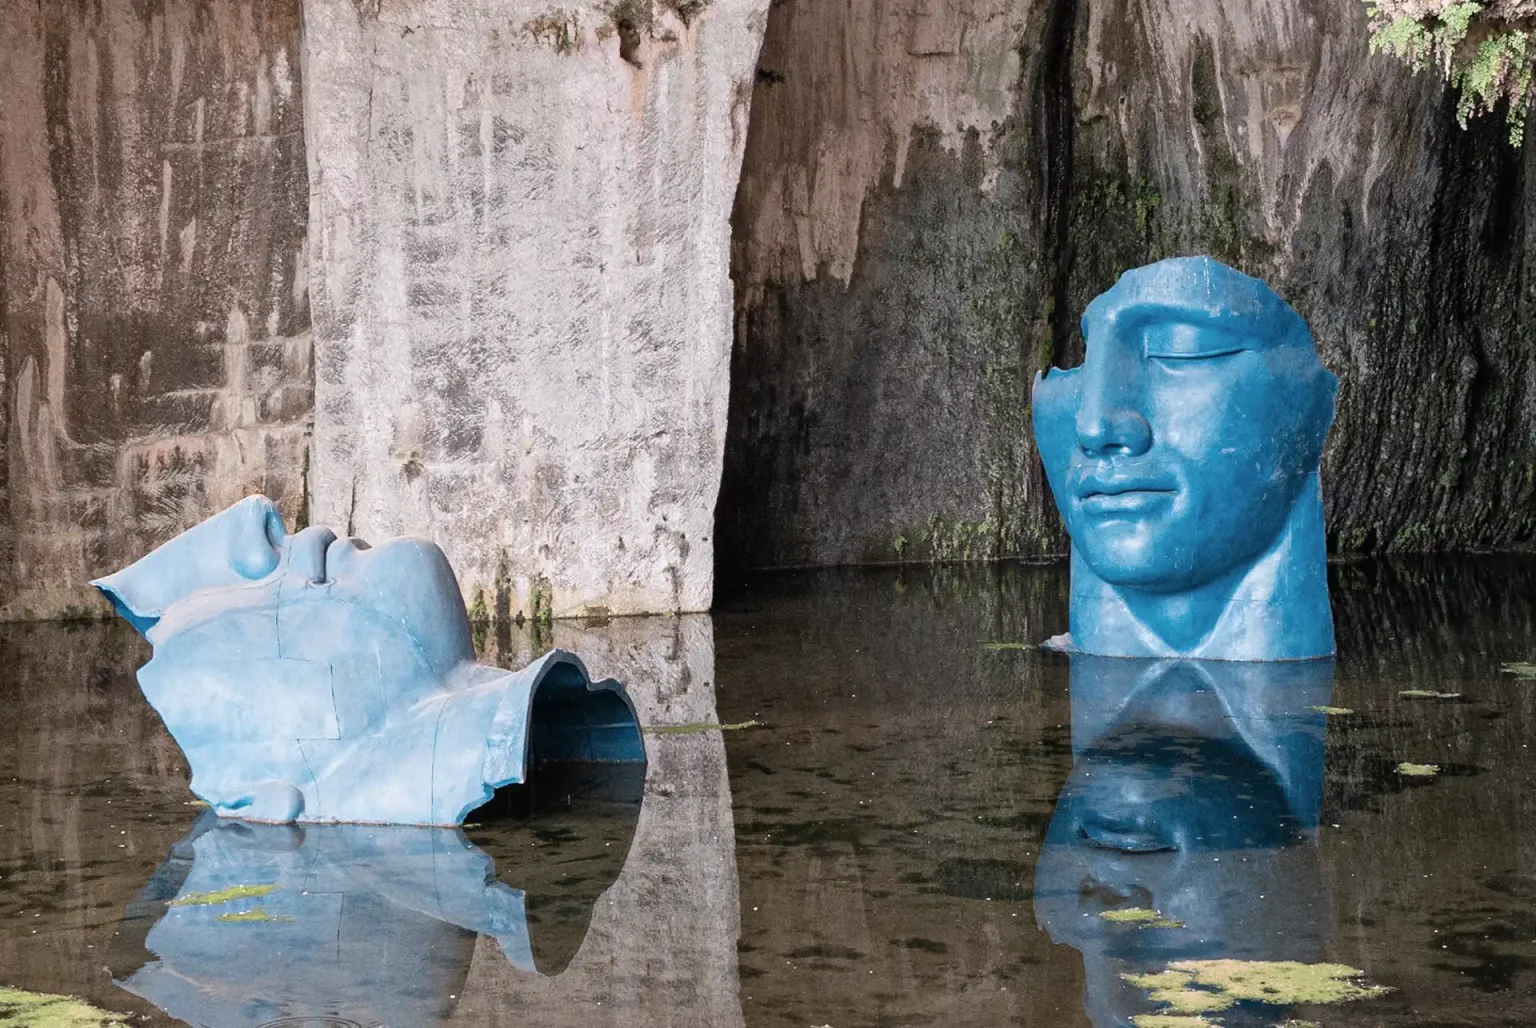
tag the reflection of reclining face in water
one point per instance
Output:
(1195, 793)
(314, 678)
(370, 925)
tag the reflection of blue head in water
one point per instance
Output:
(1184, 455)
(1195, 792)
(313, 678)
(245, 925)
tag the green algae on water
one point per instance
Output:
(699, 726)
(1171, 1021)
(1189, 989)
(22, 1009)
(1176, 992)
(1427, 694)
(229, 895)
(1334, 711)
(999, 647)
(1418, 770)
(255, 914)
(1141, 917)
(1522, 670)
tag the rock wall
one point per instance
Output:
(932, 193)
(154, 315)
(522, 303)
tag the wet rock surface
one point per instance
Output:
(154, 304)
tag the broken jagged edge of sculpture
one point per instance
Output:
(312, 678)
(1183, 455)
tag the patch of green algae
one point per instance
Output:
(234, 892)
(1000, 647)
(1428, 694)
(1176, 991)
(1141, 917)
(1418, 770)
(1279, 981)
(1523, 671)
(22, 1009)
(1189, 989)
(254, 914)
(699, 726)
(1340, 711)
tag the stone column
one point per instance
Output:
(520, 286)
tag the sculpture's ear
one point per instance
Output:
(239, 544)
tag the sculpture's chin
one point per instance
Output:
(1141, 563)
(1162, 558)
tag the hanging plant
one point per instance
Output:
(1483, 49)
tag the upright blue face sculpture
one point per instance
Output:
(313, 678)
(1183, 455)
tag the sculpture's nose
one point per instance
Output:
(237, 545)
(1109, 418)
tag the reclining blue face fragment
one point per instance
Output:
(311, 678)
(1183, 455)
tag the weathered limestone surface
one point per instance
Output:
(521, 293)
(154, 314)
(932, 193)
(888, 279)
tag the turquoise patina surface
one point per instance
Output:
(1183, 454)
(312, 678)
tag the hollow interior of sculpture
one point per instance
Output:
(569, 723)
(581, 742)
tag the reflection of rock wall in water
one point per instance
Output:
(890, 815)
(154, 310)
(660, 951)
(93, 797)
(919, 227)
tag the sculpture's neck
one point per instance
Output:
(1275, 609)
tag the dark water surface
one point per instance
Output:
(922, 828)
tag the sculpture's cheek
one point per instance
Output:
(1054, 412)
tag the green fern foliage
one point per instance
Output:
(1484, 49)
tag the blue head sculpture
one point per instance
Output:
(1183, 455)
(312, 678)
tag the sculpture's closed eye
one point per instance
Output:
(1184, 342)
(1205, 355)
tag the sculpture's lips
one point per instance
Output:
(1123, 837)
(1116, 494)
